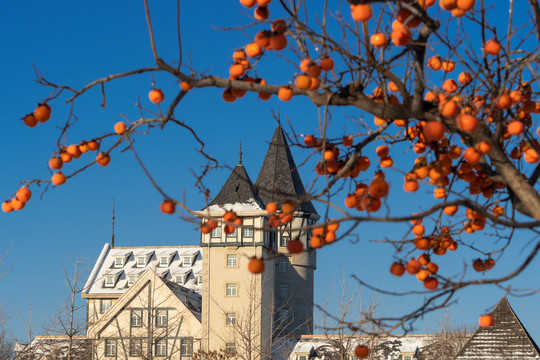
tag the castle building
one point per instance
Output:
(170, 301)
(280, 300)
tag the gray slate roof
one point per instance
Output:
(105, 266)
(238, 189)
(506, 339)
(278, 179)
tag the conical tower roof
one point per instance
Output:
(278, 179)
(505, 339)
(237, 194)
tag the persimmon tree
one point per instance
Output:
(452, 91)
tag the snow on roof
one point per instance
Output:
(134, 271)
(384, 344)
(249, 205)
(162, 271)
(112, 271)
(105, 265)
(189, 251)
(167, 252)
(306, 347)
(123, 253)
(181, 271)
(54, 347)
(142, 252)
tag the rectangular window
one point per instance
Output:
(131, 279)
(216, 233)
(109, 281)
(353, 357)
(283, 264)
(230, 348)
(186, 261)
(283, 292)
(284, 240)
(302, 357)
(135, 347)
(406, 357)
(231, 289)
(233, 234)
(247, 232)
(199, 279)
(230, 319)
(118, 262)
(110, 347)
(141, 261)
(161, 318)
(180, 279)
(232, 260)
(186, 347)
(164, 261)
(105, 305)
(161, 347)
(136, 318)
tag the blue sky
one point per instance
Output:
(73, 43)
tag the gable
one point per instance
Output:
(149, 293)
(506, 339)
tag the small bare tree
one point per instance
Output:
(447, 340)
(212, 355)
(7, 345)
(342, 328)
(70, 319)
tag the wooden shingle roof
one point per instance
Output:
(506, 339)
(278, 178)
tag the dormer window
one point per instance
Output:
(118, 262)
(180, 279)
(141, 261)
(164, 261)
(186, 261)
(109, 280)
(199, 279)
(131, 279)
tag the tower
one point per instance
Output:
(243, 312)
(279, 181)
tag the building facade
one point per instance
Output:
(243, 312)
(168, 302)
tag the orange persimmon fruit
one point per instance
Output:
(42, 113)
(256, 265)
(167, 207)
(156, 96)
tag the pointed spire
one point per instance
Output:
(278, 179)
(240, 154)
